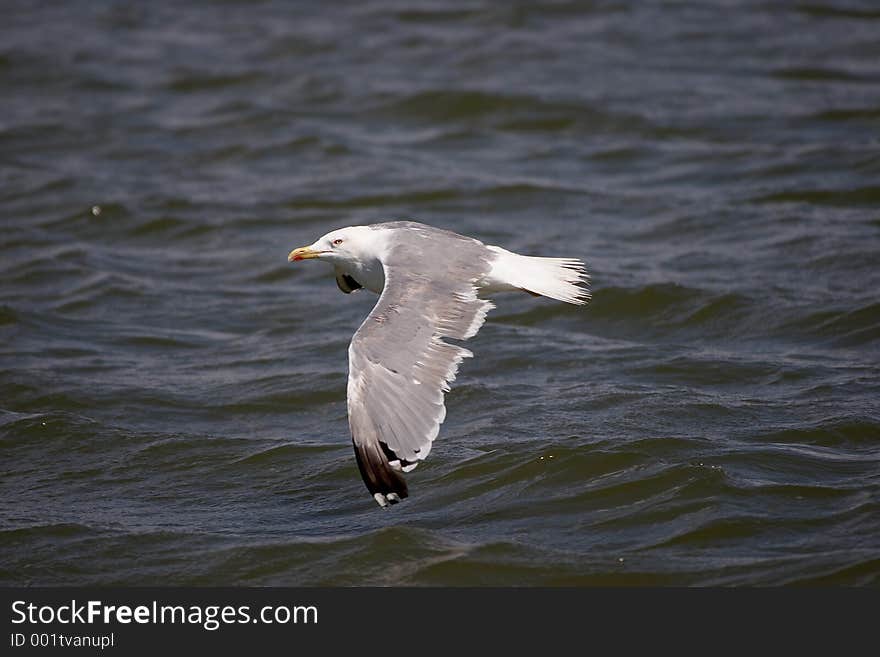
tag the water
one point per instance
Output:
(173, 392)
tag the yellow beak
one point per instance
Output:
(303, 253)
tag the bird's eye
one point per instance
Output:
(337, 242)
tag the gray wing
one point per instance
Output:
(399, 365)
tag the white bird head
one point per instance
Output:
(354, 245)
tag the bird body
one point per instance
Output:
(400, 366)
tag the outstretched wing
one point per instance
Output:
(399, 365)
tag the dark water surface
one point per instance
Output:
(173, 392)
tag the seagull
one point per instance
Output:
(428, 281)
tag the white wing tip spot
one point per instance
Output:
(385, 500)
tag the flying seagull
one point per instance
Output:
(399, 365)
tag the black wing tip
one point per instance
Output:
(385, 483)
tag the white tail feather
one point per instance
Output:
(565, 279)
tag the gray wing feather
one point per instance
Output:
(399, 365)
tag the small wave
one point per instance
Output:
(36, 532)
(349, 558)
(8, 316)
(511, 191)
(156, 341)
(188, 81)
(413, 197)
(709, 369)
(436, 15)
(869, 196)
(865, 572)
(159, 226)
(846, 327)
(644, 302)
(44, 428)
(720, 307)
(671, 306)
(815, 492)
(452, 106)
(37, 397)
(545, 124)
(717, 530)
(97, 291)
(298, 45)
(819, 74)
(277, 391)
(272, 453)
(514, 113)
(274, 274)
(827, 10)
(829, 434)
